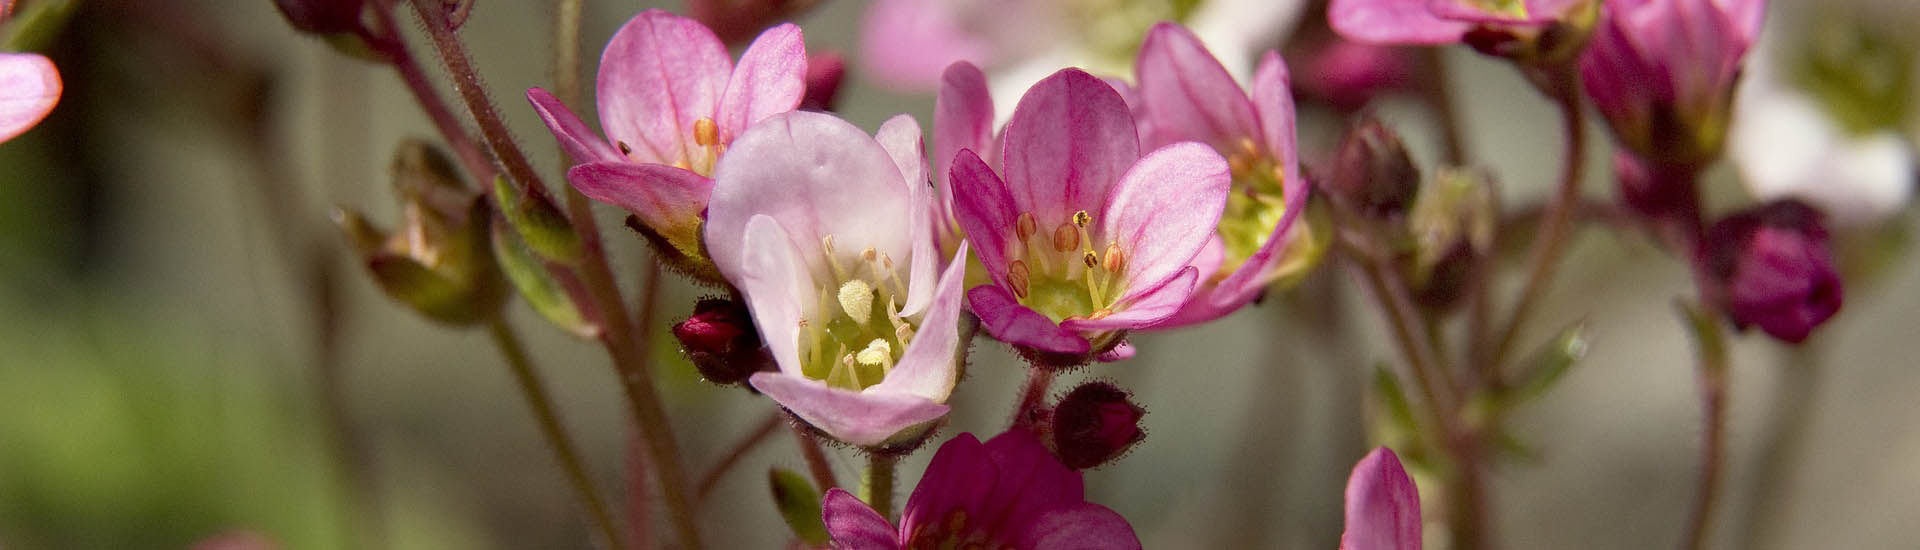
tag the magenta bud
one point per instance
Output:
(721, 341)
(322, 16)
(1372, 170)
(825, 71)
(1771, 266)
(1094, 424)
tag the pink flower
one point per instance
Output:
(1663, 73)
(1772, 266)
(824, 230)
(1383, 505)
(1085, 238)
(1436, 21)
(1007, 493)
(962, 121)
(29, 88)
(671, 103)
(1185, 95)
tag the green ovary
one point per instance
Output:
(1059, 299)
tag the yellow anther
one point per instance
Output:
(878, 352)
(856, 299)
(1114, 259)
(1248, 147)
(706, 133)
(1017, 277)
(1238, 164)
(1082, 218)
(1024, 226)
(1066, 238)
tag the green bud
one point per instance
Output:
(540, 224)
(536, 283)
(799, 505)
(438, 261)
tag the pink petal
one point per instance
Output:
(962, 119)
(818, 176)
(956, 480)
(986, 212)
(863, 419)
(579, 142)
(1164, 210)
(1010, 322)
(659, 74)
(1273, 102)
(1383, 505)
(778, 290)
(29, 88)
(1031, 482)
(1392, 22)
(929, 366)
(1148, 309)
(1069, 141)
(1188, 94)
(660, 195)
(855, 526)
(900, 137)
(1086, 526)
(770, 79)
(905, 44)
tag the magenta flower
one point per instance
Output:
(1007, 493)
(671, 103)
(1772, 266)
(1436, 21)
(824, 229)
(1662, 72)
(1186, 95)
(1085, 239)
(1383, 505)
(29, 88)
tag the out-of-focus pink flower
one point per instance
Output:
(1771, 266)
(1007, 493)
(824, 229)
(1348, 74)
(1085, 238)
(1383, 505)
(1436, 21)
(1662, 72)
(1186, 95)
(825, 72)
(671, 102)
(29, 88)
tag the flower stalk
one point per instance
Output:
(555, 432)
(1710, 341)
(1544, 258)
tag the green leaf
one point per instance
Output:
(1549, 363)
(540, 224)
(799, 505)
(530, 276)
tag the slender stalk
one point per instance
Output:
(880, 483)
(817, 465)
(1552, 237)
(493, 129)
(1793, 407)
(558, 441)
(639, 494)
(566, 51)
(736, 454)
(387, 39)
(1439, 95)
(1033, 397)
(1403, 322)
(1713, 407)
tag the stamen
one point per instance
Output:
(706, 133)
(1066, 238)
(1099, 314)
(1017, 277)
(1090, 259)
(1025, 226)
(878, 352)
(1114, 259)
(856, 299)
(833, 261)
(1082, 218)
(1249, 148)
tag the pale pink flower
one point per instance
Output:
(29, 88)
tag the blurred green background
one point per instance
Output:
(162, 369)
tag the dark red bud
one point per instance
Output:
(721, 341)
(1771, 267)
(1372, 170)
(322, 16)
(825, 71)
(1094, 424)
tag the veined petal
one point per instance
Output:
(1070, 140)
(1188, 94)
(1010, 322)
(29, 88)
(986, 213)
(855, 526)
(578, 141)
(1272, 96)
(1149, 308)
(955, 481)
(777, 286)
(862, 419)
(928, 367)
(1392, 22)
(770, 79)
(818, 176)
(665, 198)
(659, 74)
(1383, 505)
(1086, 526)
(1164, 210)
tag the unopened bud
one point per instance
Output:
(322, 16)
(721, 341)
(1372, 170)
(1094, 424)
(1771, 266)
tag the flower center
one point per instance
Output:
(856, 333)
(701, 156)
(1255, 205)
(1058, 273)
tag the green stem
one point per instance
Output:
(1439, 94)
(558, 441)
(1793, 406)
(1712, 345)
(880, 483)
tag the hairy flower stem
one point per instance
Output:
(628, 353)
(1552, 236)
(1711, 341)
(736, 453)
(817, 465)
(880, 468)
(558, 441)
(387, 39)
(1033, 397)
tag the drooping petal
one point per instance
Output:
(1069, 141)
(986, 212)
(659, 74)
(855, 526)
(1392, 22)
(665, 198)
(1164, 210)
(1010, 322)
(578, 141)
(29, 88)
(862, 419)
(777, 287)
(1188, 94)
(1086, 526)
(1148, 309)
(901, 137)
(927, 368)
(770, 79)
(1383, 505)
(905, 44)
(955, 481)
(817, 175)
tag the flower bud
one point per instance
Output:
(825, 71)
(1094, 424)
(1452, 224)
(439, 262)
(322, 16)
(721, 341)
(1663, 73)
(1372, 170)
(1771, 266)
